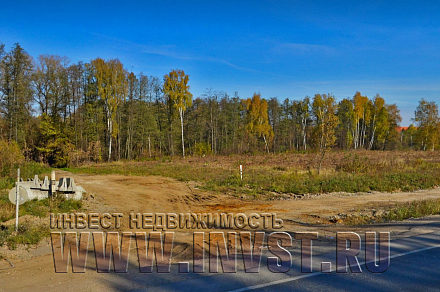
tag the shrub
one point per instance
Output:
(353, 164)
(10, 158)
(54, 145)
(202, 149)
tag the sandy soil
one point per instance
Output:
(34, 268)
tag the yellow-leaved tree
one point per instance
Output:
(428, 121)
(324, 109)
(176, 88)
(111, 81)
(376, 106)
(257, 120)
(361, 111)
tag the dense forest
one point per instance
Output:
(62, 113)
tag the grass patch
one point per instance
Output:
(414, 209)
(261, 181)
(26, 234)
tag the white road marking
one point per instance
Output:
(319, 273)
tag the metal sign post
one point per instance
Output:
(17, 198)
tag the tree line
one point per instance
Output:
(64, 113)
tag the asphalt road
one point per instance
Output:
(414, 266)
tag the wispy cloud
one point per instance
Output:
(172, 51)
(299, 48)
(394, 84)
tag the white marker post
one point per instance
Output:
(52, 184)
(17, 198)
(241, 172)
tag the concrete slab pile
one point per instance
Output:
(37, 189)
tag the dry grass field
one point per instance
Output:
(292, 173)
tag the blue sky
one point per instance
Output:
(278, 48)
